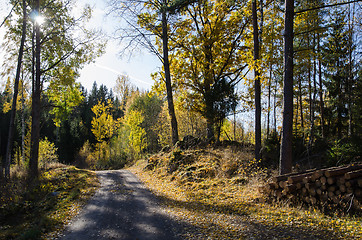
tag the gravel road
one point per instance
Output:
(122, 208)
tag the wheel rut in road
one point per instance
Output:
(122, 208)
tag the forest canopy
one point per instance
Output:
(221, 62)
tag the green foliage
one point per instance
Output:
(190, 123)
(6, 98)
(220, 100)
(64, 49)
(105, 155)
(108, 157)
(357, 102)
(85, 158)
(179, 5)
(65, 98)
(344, 151)
(149, 107)
(66, 46)
(208, 57)
(47, 153)
(163, 126)
(137, 134)
(103, 124)
(271, 150)
(339, 78)
(118, 155)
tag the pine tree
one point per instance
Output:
(336, 63)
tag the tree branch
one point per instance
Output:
(325, 6)
(6, 18)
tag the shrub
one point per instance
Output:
(271, 150)
(47, 153)
(105, 156)
(344, 152)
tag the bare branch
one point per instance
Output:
(6, 18)
(325, 6)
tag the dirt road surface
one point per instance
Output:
(122, 208)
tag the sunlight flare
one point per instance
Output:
(39, 20)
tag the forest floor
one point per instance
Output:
(182, 194)
(216, 192)
(39, 210)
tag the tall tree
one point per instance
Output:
(103, 123)
(123, 90)
(36, 108)
(285, 162)
(152, 17)
(15, 95)
(257, 82)
(166, 66)
(336, 49)
(308, 25)
(149, 106)
(272, 62)
(209, 58)
(59, 61)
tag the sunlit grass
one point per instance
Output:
(40, 210)
(224, 206)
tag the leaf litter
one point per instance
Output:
(217, 192)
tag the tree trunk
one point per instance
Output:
(321, 103)
(339, 101)
(285, 164)
(310, 89)
(166, 65)
(9, 147)
(350, 71)
(234, 113)
(22, 122)
(312, 92)
(275, 105)
(296, 115)
(210, 129)
(256, 83)
(269, 98)
(301, 106)
(36, 108)
(312, 118)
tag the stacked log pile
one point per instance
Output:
(339, 186)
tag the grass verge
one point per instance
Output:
(40, 210)
(217, 193)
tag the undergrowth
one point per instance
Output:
(217, 191)
(39, 210)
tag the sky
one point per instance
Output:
(110, 65)
(106, 68)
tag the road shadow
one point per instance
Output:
(123, 208)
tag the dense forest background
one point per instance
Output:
(208, 86)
